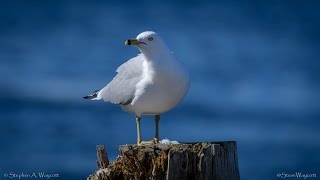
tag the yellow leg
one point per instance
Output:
(157, 119)
(138, 129)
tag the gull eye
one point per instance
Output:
(150, 38)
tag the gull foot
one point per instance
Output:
(153, 141)
(139, 142)
(146, 142)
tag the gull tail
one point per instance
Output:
(92, 96)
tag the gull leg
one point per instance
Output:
(157, 119)
(138, 129)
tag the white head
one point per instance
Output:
(149, 42)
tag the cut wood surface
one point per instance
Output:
(205, 160)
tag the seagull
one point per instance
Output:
(151, 83)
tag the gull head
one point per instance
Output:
(148, 42)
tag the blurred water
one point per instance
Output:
(255, 79)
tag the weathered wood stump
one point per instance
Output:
(207, 160)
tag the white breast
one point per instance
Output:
(161, 88)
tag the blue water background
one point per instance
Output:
(255, 70)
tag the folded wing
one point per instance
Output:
(122, 88)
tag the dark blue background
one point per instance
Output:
(255, 79)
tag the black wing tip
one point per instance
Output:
(86, 97)
(92, 96)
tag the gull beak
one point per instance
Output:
(132, 42)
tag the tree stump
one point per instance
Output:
(205, 160)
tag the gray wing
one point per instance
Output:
(122, 88)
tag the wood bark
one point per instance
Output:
(206, 160)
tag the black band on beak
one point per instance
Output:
(132, 42)
(128, 42)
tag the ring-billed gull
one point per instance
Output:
(151, 83)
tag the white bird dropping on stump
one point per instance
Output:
(151, 83)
